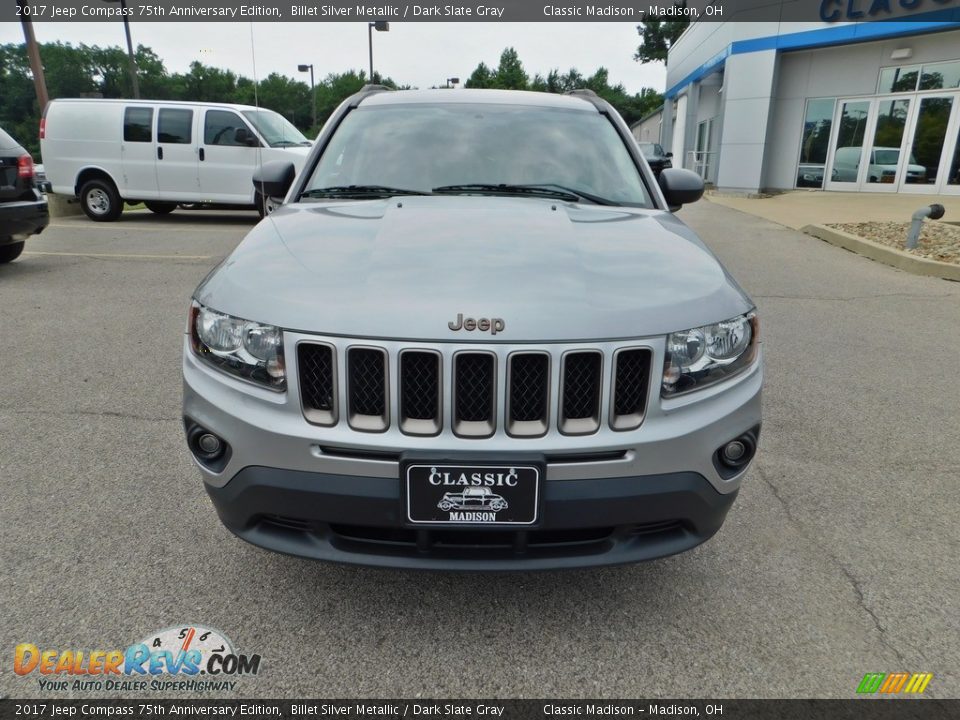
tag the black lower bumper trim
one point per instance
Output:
(360, 520)
(23, 217)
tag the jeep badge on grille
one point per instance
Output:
(491, 325)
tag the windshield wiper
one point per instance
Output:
(360, 191)
(544, 189)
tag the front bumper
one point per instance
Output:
(22, 218)
(360, 520)
(335, 494)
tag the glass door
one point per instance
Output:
(846, 162)
(884, 169)
(928, 160)
(950, 182)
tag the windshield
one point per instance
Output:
(650, 149)
(887, 157)
(275, 128)
(422, 147)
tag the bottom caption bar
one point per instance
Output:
(854, 709)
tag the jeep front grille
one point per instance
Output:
(473, 393)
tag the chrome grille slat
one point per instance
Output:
(580, 392)
(422, 390)
(474, 394)
(528, 394)
(367, 404)
(629, 395)
(317, 363)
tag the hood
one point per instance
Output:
(407, 267)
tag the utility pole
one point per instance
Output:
(33, 52)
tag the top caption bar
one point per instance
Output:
(483, 10)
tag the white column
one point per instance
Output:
(747, 100)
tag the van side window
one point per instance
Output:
(175, 126)
(138, 124)
(219, 127)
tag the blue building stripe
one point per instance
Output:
(935, 21)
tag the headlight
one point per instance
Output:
(702, 356)
(250, 350)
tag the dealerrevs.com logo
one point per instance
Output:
(182, 658)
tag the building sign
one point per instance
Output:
(853, 10)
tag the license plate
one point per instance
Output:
(472, 494)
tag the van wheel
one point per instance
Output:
(160, 208)
(100, 201)
(9, 253)
(265, 205)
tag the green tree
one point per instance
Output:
(481, 77)
(510, 74)
(657, 37)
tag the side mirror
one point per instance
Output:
(669, 154)
(680, 187)
(273, 179)
(242, 136)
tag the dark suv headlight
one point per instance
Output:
(702, 356)
(243, 348)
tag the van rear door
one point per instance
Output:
(138, 154)
(226, 160)
(177, 155)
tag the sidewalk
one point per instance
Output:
(799, 208)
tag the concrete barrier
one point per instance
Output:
(884, 253)
(60, 207)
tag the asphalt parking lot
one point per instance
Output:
(839, 558)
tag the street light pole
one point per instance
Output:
(379, 26)
(33, 52)
(313, 90)
(133, 62)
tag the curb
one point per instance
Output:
(884, 254)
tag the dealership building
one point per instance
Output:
(837, 103)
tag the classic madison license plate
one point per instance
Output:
(473, 494)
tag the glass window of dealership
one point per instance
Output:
(867, 107)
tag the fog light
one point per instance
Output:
(733, 456)
(733, 451)
(209, 449)
(211, 445)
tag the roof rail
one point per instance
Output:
(591, 97)
(367, 90)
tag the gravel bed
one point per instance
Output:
(938, 241)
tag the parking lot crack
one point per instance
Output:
(88, 413)
(852, 298)
(856, 584)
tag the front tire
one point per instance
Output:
(100, 200)
(160, 208)
(9, 253)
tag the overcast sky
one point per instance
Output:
(420, 54)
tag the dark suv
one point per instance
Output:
(23, 207)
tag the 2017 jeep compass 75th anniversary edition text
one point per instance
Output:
(473, 337)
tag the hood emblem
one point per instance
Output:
(491, 325)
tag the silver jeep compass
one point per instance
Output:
(473, 336)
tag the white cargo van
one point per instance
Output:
(107, 152)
